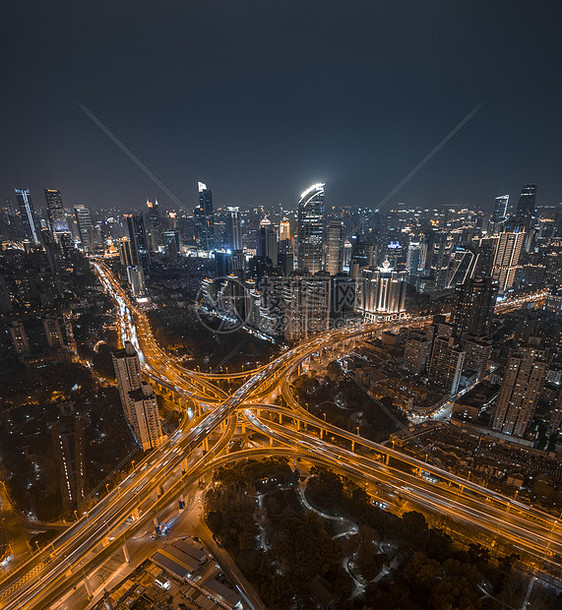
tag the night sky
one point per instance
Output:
(261, 98)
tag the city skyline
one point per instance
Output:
(256, 134)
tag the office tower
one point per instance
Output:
(485, 250)
(499, 213)
(139, 241)
(154, 225)
(125, 252)
(285, 256)
(478, 351)
(284, 229)
(362, 255)
(305, 307)
(416, 353)
(334, 247)
(461, 265)
(85, 227)
(310, 229)
(171, 241)
(53, 332)
(415, 258)
(527, 203)
(204, 217)
(267, 242)
(381, 292)
(128, 374)
(67, 435)
(19, 338)
(27, 215)
(144, 417)
(506, 257)
(474, 306)
(135, 275)
(441, 258)
(56, 213)
(520, 391)
(233, 229)
(447, 361)
(237, 264)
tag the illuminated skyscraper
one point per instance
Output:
(522, 385)
(506, 257)
(56, 213)
(27, 214)
(126, 364)
(499, 213)
(474, 307)
(334, 247)
(233, 229)
(204, 217)
(125, 252)
(311, 229)
(381, 292)
(284, 229)
(144, 417)
(267, 242)
(447, 361)
(85, 227)
(139, 240)
(527, 203)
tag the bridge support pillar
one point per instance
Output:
(126, 553)
(88, 588)
(206, 444)
(353, 446)
(105, 540)
(184, 465)
(135, 514)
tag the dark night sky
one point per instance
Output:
(261, 98)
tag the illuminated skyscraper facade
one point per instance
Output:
(522, 385)
(27, 214)
(334, 247)
(204, 217)
(311, 229)
(506, 257)
(381, 292)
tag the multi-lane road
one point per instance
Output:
(209, 413)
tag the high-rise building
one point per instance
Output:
(204, 217)
(284, 229)
(171, 241)
(53, 332)
(27, 214)
(67, 435)
(137, 284)
(381, 292)
(56, 213)
(267, 242)
(145, 419)
(310, 229)
(19, 338)
(334, 247)
(506, 257)
(415, 258)
(154, 225)
(447, 361)
(520, 391)
(416, 353)
(474, 306)
(499, 213)
(233, 229)
(85, 227)
(139, 240)
(127, 368)
(527, 203)
(478, 351)
(125, 252)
